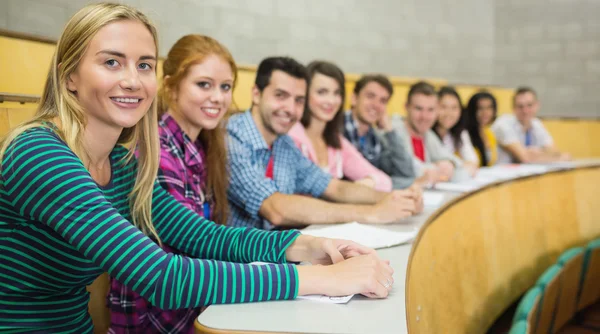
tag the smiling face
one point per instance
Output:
(324, 97)
(526, 107)
(280, 104)
(485, 112)
(204, 95)
(370, 103)
(115, 81)
(421, 112)
(449, 111)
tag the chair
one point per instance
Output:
(572, 263)
(590, 289)
(528, 308)
(99, 313)
(549, 282)
(520, 327)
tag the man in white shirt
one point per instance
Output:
(522, 138)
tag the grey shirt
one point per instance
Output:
(385, 151)
(434, 151)
(395, 160)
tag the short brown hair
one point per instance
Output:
(523, 90)
(421, 87)
(269, 65)
(378, 78)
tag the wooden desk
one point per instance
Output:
(477, 255)
(362, 315)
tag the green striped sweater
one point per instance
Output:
(59, 230)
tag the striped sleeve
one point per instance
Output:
(192, 234)
(47, 183)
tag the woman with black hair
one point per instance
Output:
(450, 128)
(480, 113)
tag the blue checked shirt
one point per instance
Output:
(248, 158)
(369, 145)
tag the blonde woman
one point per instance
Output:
(75, 203)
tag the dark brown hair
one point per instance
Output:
(378, 78)
(420, 87)
(286, 64)
(331, 134)
(187, 51)
(458, 128)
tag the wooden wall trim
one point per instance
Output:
(21, 98)
(26, 36)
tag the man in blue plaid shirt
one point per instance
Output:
(369, 129)
(272, 184)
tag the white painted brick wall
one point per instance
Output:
(545, 43)
(560, 52)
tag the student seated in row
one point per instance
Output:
(270, 178)
(522, 136)
(76, 203)
(367, 126)
(433, 163)
(450, 128)
(198, 78)
(480, 113)
(319, 137)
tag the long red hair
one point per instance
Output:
(187, 51)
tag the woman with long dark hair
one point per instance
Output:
(450, 128)
(319, 132)
(479, 115)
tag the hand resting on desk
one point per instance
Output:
(340, 268)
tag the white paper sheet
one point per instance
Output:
(457, 187)
(327, 299)
(558, 165)
(487, 175)
(432, 199)
(511, 171)
(369, 236)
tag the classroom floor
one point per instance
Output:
(587, 321)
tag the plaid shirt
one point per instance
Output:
(249, 155)
(182, 170)
(181, 173)
(370, 146)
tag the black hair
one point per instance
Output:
(286, 64)
(473, 125)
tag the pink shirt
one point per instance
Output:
(345, 162)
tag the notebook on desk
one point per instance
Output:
(370, 236)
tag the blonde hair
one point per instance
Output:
(58, 102)
(186, 52)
